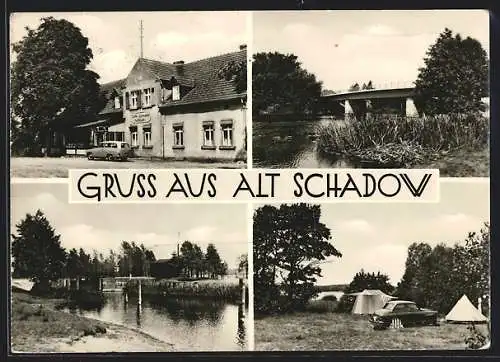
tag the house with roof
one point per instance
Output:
(175, 110)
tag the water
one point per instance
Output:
(288, 143)
(189, 324)
(337, 294)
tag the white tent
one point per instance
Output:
(368, 301)
(464, 311)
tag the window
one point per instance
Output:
(227, 134)
(147, 97)
(176, 93)
(208, 135)
(147, 136)
(117, 102)
(134, 137)
(133, 99)
(179, 136)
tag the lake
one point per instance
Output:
(289, 143)
(189, 324)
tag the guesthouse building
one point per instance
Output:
(179, 110)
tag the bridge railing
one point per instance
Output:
(378, 86)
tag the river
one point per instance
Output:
(189, 324)
(290, 143)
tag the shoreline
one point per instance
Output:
(68, 333)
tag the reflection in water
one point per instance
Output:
(289, 143)
(190, 324)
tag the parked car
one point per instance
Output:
(406, 311)
(110, 150)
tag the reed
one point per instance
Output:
(216, 290)
(396, 141)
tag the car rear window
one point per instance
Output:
(113, 145)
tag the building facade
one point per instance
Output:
(179, 111)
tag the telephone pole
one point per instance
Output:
(141, 29)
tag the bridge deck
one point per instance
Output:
(403, 92)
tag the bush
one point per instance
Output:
(396, 141)
(321, 306)
(475, 339)
(330, 298)
(346, 303)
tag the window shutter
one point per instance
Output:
(139, 99)
(127, 100)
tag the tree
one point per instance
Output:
(50, 85)
(361, 281)
(437, 277)
(279, 83)
(354, 87)
(236, 72)
(37, 251)
(243, 264)
(289, 243)
(367, 86)
(454, 78)
(213, 260)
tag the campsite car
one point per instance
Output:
(111, 150)
(406, 312)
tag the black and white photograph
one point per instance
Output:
(126, 278)
(372, 89)
(127, 90)
(374, 276)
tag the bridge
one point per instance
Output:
(392, 97)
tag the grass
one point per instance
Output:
(43, 167)
(394, 141)
(34, 320)
(342, 331)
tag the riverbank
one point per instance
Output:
(37, 326)
(457, 144)
(342, 331)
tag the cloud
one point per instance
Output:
(355, 225)
(380, 30)
(112, 65)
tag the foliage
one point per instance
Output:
(437, 277)
(394, 141)
(454, 78)
(168, 288)
(237, 73)
(475, 339)
(134, 260)
(361, 281)
(280, 84)
(289, 243)
(50, 84)
(37, 251)
(322, 306)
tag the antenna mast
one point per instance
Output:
(142, 37)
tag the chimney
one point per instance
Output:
(243, 46)
(179, 66)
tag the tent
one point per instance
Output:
(22, 284)
(464, 311)
(368, 301)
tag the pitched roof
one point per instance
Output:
(202, 76)
(107, 89)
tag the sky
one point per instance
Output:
(344, 47)
(114, 37)
(103, 227)
(375, 236)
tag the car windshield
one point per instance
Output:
(124, 145)
(389, 305)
